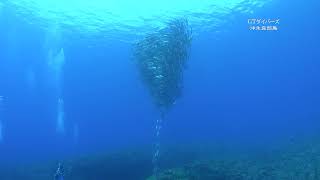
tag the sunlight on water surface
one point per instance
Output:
(130, 17)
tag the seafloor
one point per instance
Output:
(293, 161)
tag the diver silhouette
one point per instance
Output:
(59, 173)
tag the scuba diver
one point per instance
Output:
(59, 173)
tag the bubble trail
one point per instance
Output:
(156, 154)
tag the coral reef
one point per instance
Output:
(296, 162)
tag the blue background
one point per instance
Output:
(245, 90)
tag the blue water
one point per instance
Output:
(244, 90)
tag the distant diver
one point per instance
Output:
(31, 79)
(75, 133)
(1, 137)
(60, 117)
(1, 115)
(56, 61)
(59, 173)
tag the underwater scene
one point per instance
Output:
(159, 90)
